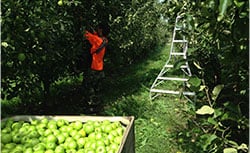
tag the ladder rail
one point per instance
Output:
(185, 68)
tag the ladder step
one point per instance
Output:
(181, 54)
(180, 41)
(171, 66)
(178, 28)
(172, 78)
(172, 92)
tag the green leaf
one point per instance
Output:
(233, 144)
(205, 110)
(212, 121)
(229, 150)
(217, 113)
(222, 8)
(207, 139)
(238, 4)
(243, 146)
(194, 81)
(216, 91)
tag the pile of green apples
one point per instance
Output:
(61, 136)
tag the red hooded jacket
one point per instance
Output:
(96, 50)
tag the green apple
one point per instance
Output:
(6, 138)
(49, 151)
(52, 124)
(32, 142)
(65, 134)
(100, 143)
(89, 150)
(63, 128)
(111, 138)
(77, 136)
(120, 131)
(61, 138)
(69, 128)
(31, 128)
(88, 128)
(47, 132)
(60, 2)
(24, 139)
(118, 140)
(114, 146)
(56, 132)
(73, 132)
(68, 139)
(97, 124)
(72, 144)
(21, 56)
(6, 130)
(16, 125)
(92, 136)
(101, 149)
(59, 149)
(23, 131)
(98, 129)
(25, 124)
(34, 134)
(114, 133)
(77, 125)
(50, 145)
(28, 150)
(71, 151)
(90, 122)
(99, 136)
(41, 126)
(45, 121)
(16, 138)
(82, 133)
(40, 130)
(107, 128)
(80, 151)
(106, 141)
(81, 142)
(87, 143)
(106, 122)
(115, 124)
(42, 138)
(51, 138)
(111, 151)
(39, 147)
(34, 122)
(60, 122)
(9, 146)
(39, 151)
(93, 145)
(5, 150)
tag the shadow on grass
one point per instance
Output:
(69, 98)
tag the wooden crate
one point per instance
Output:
(128, 141)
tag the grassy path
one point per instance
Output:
(156, 121)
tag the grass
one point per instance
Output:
(156, 121)
(127, 94)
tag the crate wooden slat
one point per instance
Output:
(128, 141)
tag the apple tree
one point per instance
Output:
(37, 46)
(219, 37)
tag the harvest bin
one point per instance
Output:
(128, 141)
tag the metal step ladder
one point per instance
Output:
(178, 53)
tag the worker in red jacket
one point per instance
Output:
(98, 41)
(92, 79)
